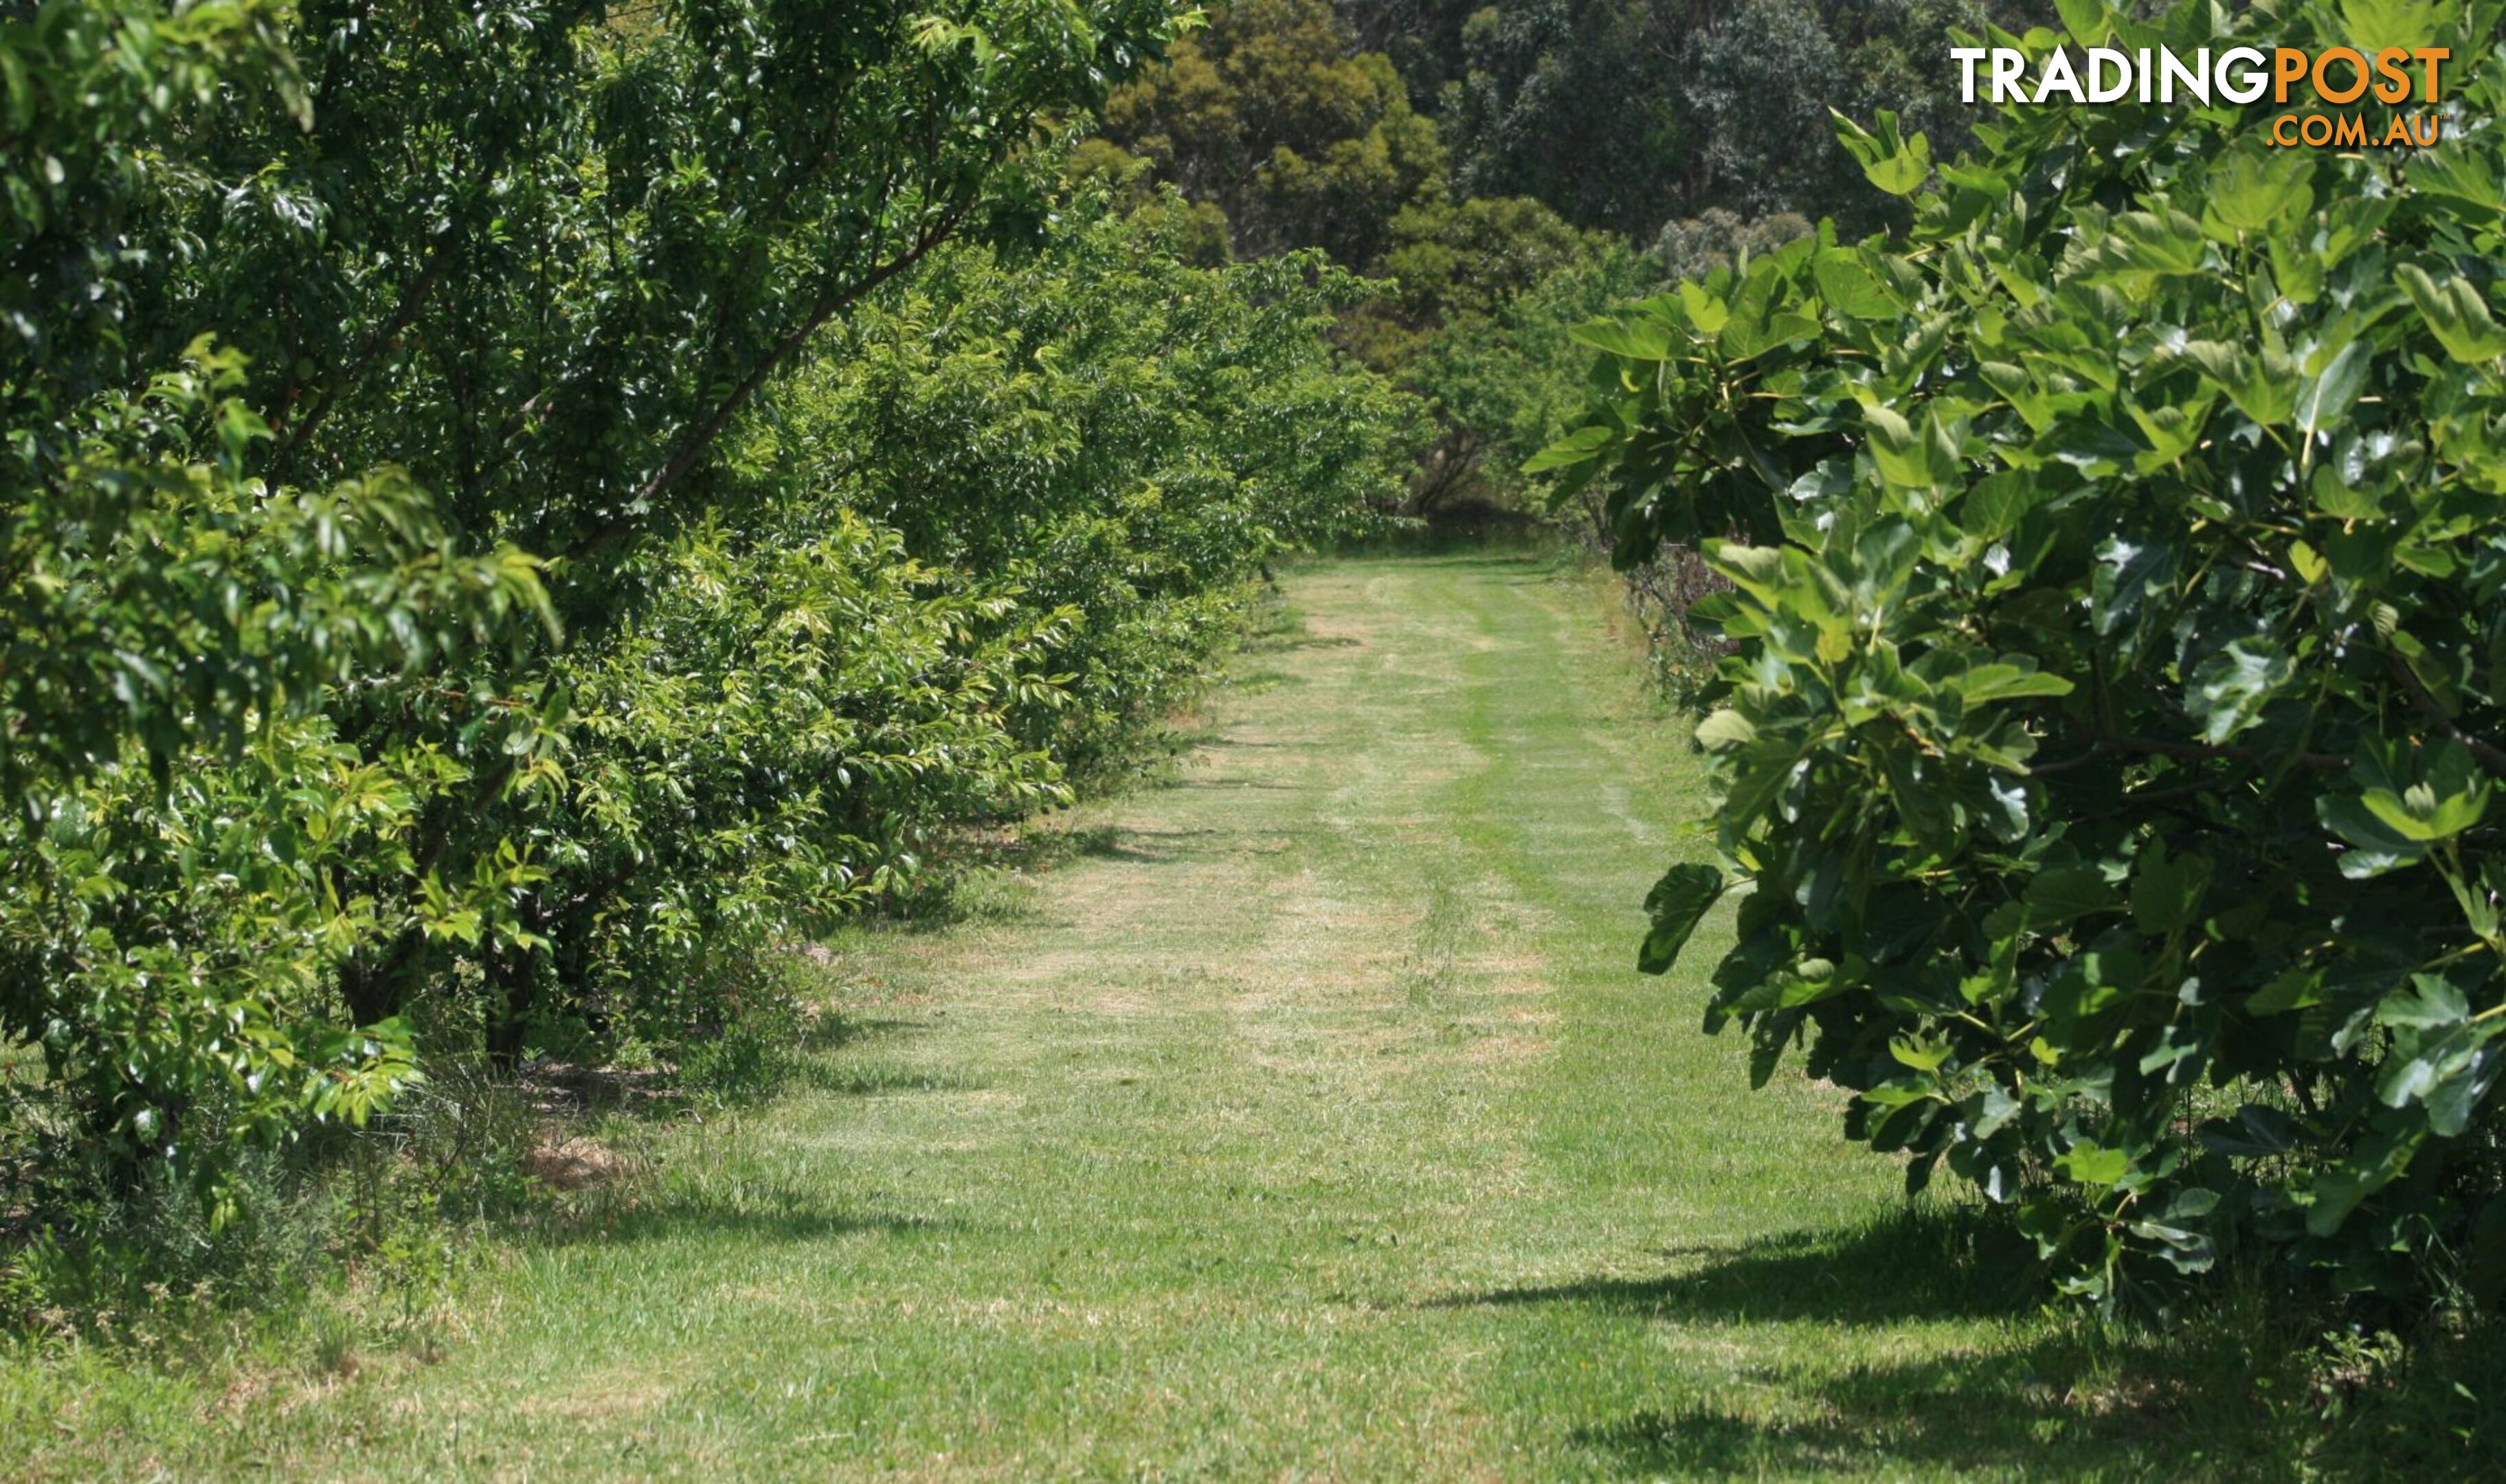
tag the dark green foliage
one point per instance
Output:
(1422, 38)
(1625, 114)
(770, 745)
(1002, 525)
(1499, 362)
(313, 775)
(1457, 260)
(2115, 714)
(1123, 437)
(1272, 115)
(1528, 135)
(1577, 102)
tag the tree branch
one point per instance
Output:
(701, 437)
(2489, 755)
(2108, 744)
(403, 316)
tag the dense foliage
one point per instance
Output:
(451, 599)
(1120, 434)
(1495, 354)
(1472, 153)
(1271, 117)
(2109, 748)
(997, 529)
(1628, 113)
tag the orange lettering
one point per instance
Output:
(2358, 75)
(2397, 78)
(2430, 57)
(2288, 65)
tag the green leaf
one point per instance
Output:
(2375, 847)
(2464, 169)
(1677, 903)
(1636, 336)
(2165, 243)
(2089, 21)
(2455, 312)
(1708, 313)
(1906, 455)
(1921, 1056)
(1897, 165)
(2337, 498)
(2013, 679)
(2091, 1164)
(2262, 383)
(1850, 287)
(2405, 24)
(2166, 891)
(1993, 506)
(1725, 728)
(2255, 1132)
(2378, 1162)
(2427, 1003)
(2326, 397)
(2419, 815)
(2065, 893)
(2173, 429)
(2257, 189)
(2127, 571)
(1580, 447)
(2231, 689)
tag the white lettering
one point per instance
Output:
(2249, 86)
(2008, 67)
(2101, 89)
(2058, 77)
(2195, 80)
(1967, 57)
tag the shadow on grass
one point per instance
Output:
(836, 1031)
(2052, 1408)
(1153, 847)
(1307, 641)
(1923, 1263)
(2214, 1397)
(773, 1213)
(1247, 682)
(1037, 852)
(872, 1082)
(2022, 1413)
(2223, 1393)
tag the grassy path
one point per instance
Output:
(1304, 1122)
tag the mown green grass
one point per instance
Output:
(1303, 1118)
